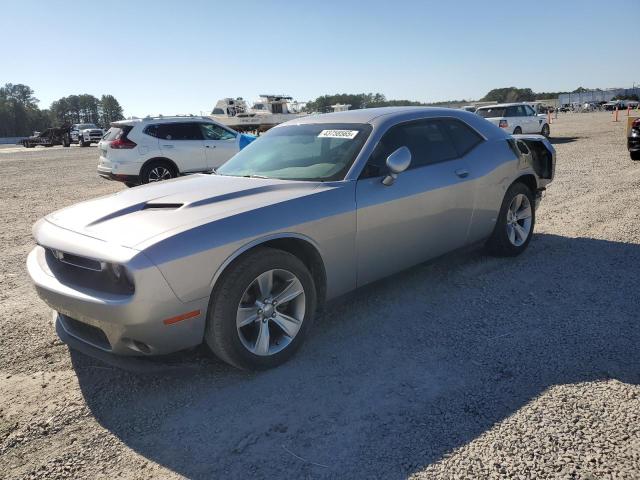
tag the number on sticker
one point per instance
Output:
(349, 134)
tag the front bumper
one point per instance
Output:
(123, 324)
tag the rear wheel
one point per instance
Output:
(517, 131)
(261, 310)
(158, 171)
(546, 131)
(514, 227)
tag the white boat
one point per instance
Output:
(267, 112)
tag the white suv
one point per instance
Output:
(153, 149)
(515, 118)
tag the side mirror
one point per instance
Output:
(397, 163)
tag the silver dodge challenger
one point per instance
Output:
(321, 205)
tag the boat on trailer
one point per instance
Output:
(267, 112)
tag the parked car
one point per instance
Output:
(610, 106)
(315, 208)
(84, 134)
(633, 140)
(515, 118)
(154, 149)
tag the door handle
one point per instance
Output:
(462, 172)
(210, 146)
(167, 146)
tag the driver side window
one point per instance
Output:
(427, 140)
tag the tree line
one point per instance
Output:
(369, 100)
(20, 115)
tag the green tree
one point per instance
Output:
(110, 110)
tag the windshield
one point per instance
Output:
(83, 126)
(491, 112)
(318, 152)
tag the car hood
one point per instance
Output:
(133, 216)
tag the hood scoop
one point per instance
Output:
(162, 206)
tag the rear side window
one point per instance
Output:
(516, 111)
(491, 112)
(211, 131)
(179, 131)
(151, 130)
(426, 139)
(463, 136)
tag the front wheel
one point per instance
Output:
(514, 227)
(261, 310)
(635, 155)
(517, 131)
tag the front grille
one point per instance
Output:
(82, 272)
(85, 332)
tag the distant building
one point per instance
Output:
(596, 96)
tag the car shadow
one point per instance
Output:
(395, 375)
(562, 140)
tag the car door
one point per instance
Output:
(220, 144)
(534, 122)
(182, 142)
(427, 210)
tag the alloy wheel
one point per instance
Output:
(158, 174)
(271, 312)
(519, 217)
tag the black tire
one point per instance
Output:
(66, 142)
(28, 145)
(499, 244)
(221, 333)
(635, 155)
(147, 174)
(130, 184)
(546, 131)
(517, 131)
(81, 142)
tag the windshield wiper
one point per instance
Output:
(256, 176)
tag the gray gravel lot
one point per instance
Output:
(466, 367)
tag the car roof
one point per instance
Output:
(163, 119)
(384, 117)
(515, 104)
(367, 115)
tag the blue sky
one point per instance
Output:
(181, 56)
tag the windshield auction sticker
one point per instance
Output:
(350, 134)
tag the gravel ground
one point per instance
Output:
(466, 367)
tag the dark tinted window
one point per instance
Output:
(516, 111)
(426, 139)
(151, 130)
(492, 112)
(463, 136)
(211, 131)
(179, 131)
